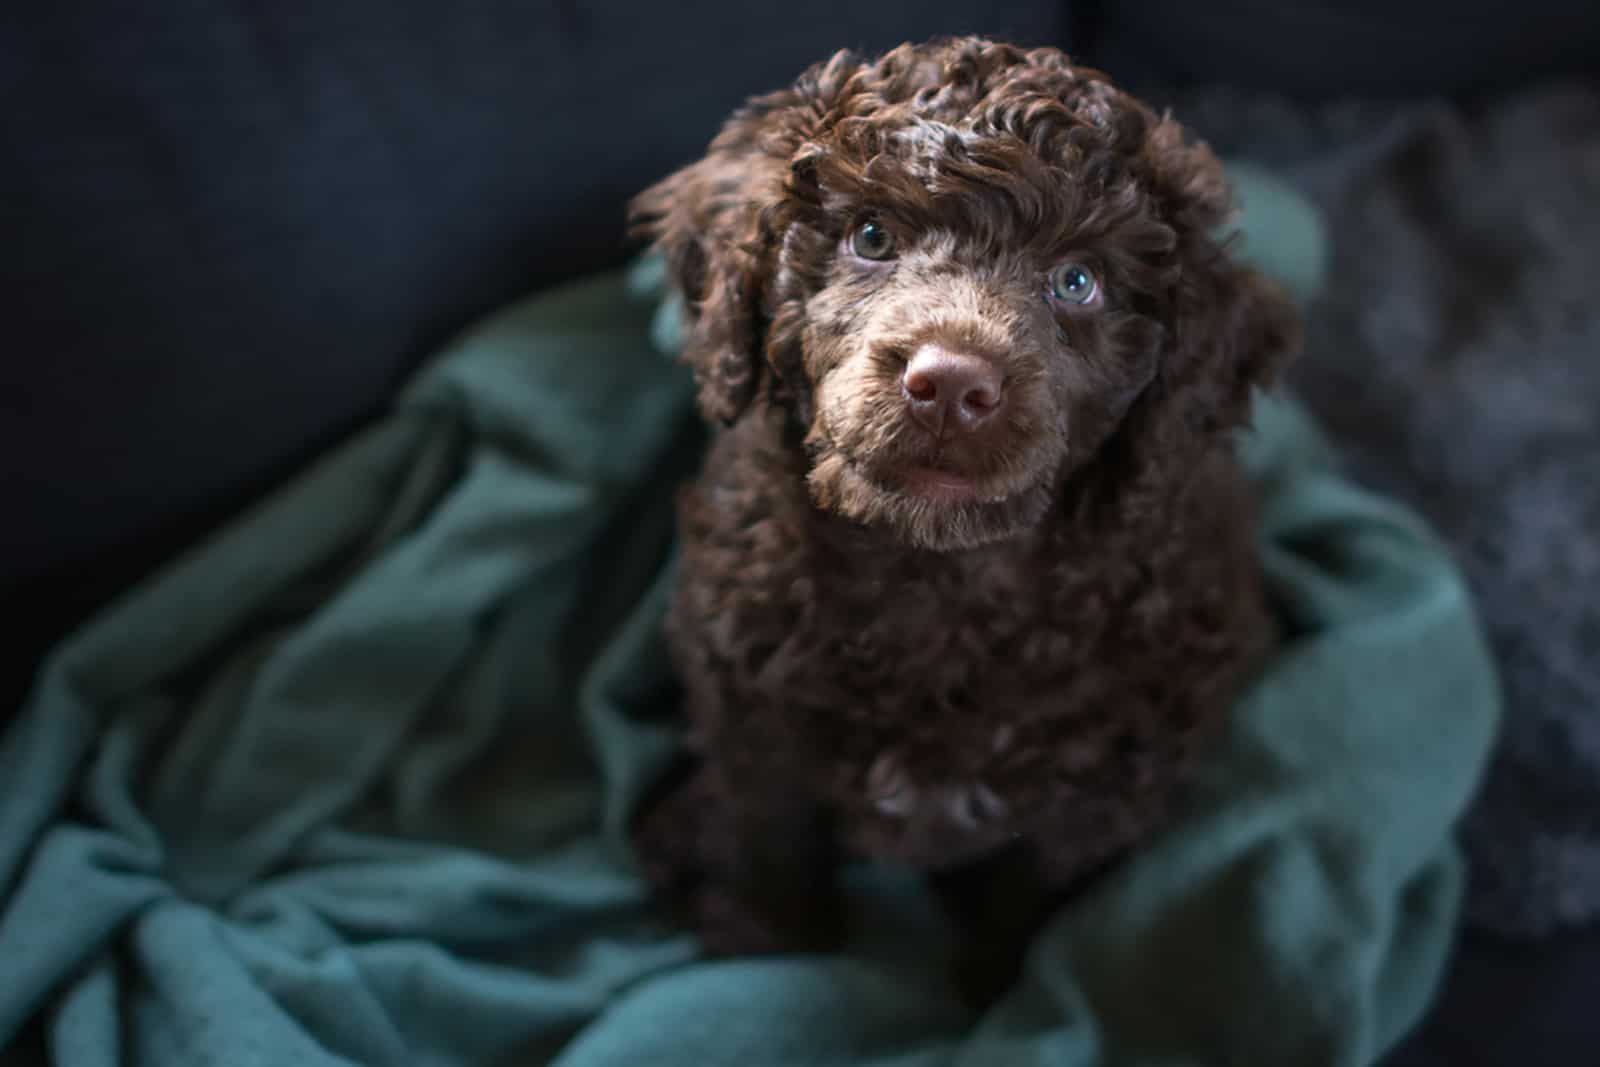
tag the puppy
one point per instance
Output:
(968, 576)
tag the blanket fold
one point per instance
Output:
(346, 784)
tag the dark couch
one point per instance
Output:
(230, 229)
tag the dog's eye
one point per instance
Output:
(1072, 283)
(872, 241)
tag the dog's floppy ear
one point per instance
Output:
(1258, 326)
(1236, 328)
(707, 221)
(718, 223)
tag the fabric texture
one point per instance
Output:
(346, 784)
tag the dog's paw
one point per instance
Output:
(967, 805)
(972, 805)
(666, 839)
(890, 786)
(984, 973)
(732, 924)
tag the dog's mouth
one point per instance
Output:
(938, 484)
(932, 481)
(927, 504)
(933, 495)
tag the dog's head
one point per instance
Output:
(964, 269)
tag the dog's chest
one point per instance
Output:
(928, 638)
(933, 678)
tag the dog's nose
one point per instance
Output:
(951, 390)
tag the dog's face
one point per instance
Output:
(963, 268)
(960, 357)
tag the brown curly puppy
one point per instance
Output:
(969, 571)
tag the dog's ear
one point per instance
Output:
(718, 224)
(1235, 331)
(1236, 328)
(709, 223)
(1258, 325)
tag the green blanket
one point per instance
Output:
(345, 785)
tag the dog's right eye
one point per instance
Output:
(872, 241)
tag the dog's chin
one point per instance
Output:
(925, 507)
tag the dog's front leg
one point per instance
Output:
(747, 856)
(1002, 901)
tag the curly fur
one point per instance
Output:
(1016, 674)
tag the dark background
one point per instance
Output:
(229, 229)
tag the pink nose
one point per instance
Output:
(951, 391)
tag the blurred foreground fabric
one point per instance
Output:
(346, 783)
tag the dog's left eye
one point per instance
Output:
(1073, 283)
(872, 241)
